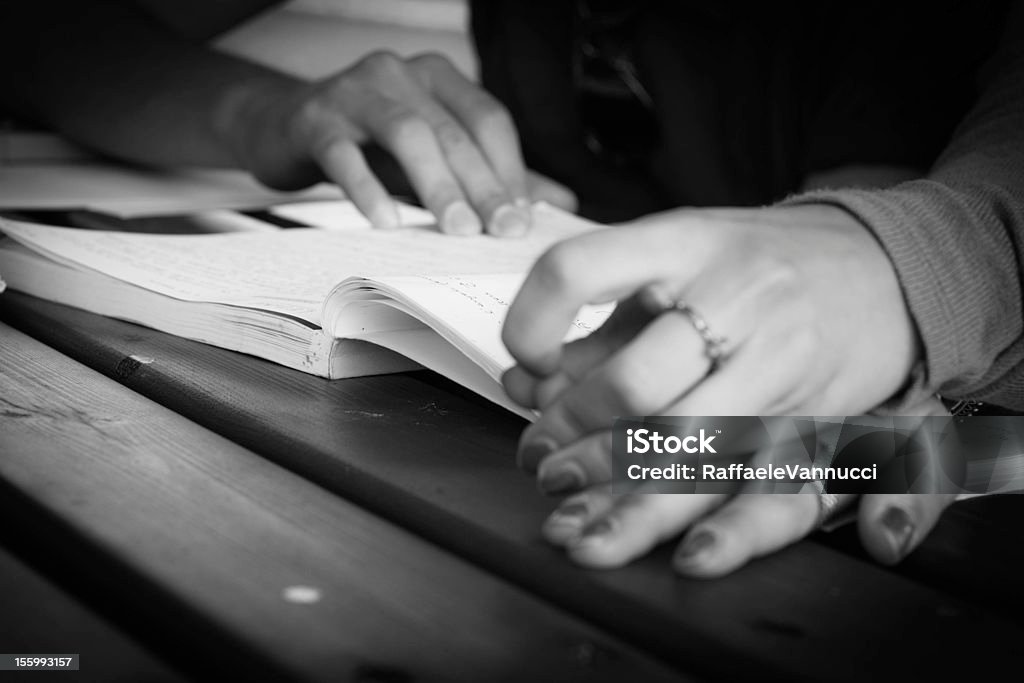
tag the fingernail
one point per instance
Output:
(570, 514)
(694, 546)
(509, 221)
(459, 219)
(561, 479)
(385, 217)
(597, 532)
(900, 529)
(532, 452)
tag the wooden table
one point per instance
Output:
(173, 511)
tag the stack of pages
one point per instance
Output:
(335, 303)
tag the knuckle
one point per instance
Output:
(402, 127)
(492, 118)
(780, 275)
(773, 282)
(330, 102)
(559, 267)
(432, 61)
(451, 136)
(310, 115)
(380, 62)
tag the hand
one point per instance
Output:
(809, 303)
(723, 533)
(601, 531)
(815, 323)
(456, 144)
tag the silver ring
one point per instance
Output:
(830, 505)
(714, 345)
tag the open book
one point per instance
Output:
(327, 302)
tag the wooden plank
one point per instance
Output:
(417, 450)
(269, 574)
(38, 617)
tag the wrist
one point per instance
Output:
(903, 349)
(906, 358)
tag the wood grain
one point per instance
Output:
(195, 529)
(421, 452)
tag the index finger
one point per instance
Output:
(594, 268)
(579, 356)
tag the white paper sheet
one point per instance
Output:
(129, 192)
(287, 271)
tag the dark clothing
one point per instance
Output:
(747, 98)
(750, 99)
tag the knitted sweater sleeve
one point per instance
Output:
(956, 240)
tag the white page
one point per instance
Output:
(288, 271)
(430, 350)
(466, 309)
(129, 192)
(343, 215)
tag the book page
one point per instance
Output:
(467, 310)
(128, 191)
(343, 215)
(290, 272)
(430, 350)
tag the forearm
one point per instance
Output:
(108, 76)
